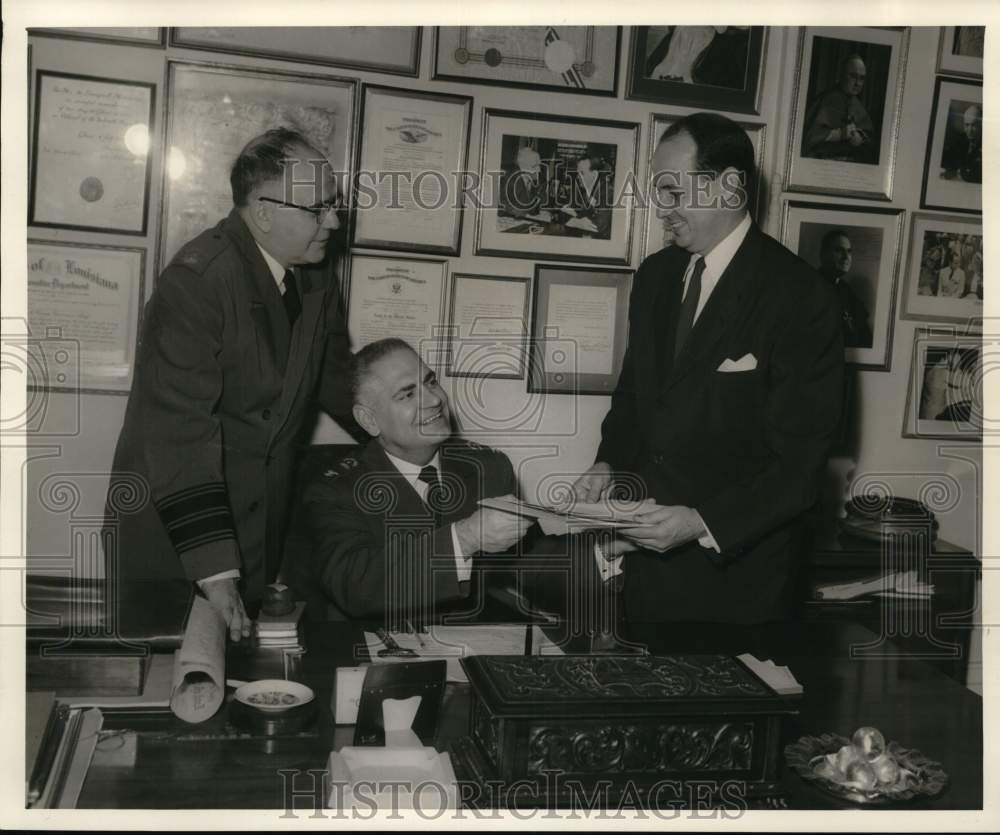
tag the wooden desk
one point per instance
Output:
(205, 766)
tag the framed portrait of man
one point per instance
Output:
(847, 109)
(961, 51)
(953, 168)
(944, 397)
(945, 276)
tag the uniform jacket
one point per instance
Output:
(747, 448)
(221, 391)
(375, 547)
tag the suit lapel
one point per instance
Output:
(301, 347)
(403, 499)
(663, 314)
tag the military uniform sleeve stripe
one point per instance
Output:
(197, 515)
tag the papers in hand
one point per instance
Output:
(893, 584)
(610, 513)
(779, 679)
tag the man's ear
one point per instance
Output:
(733, 189)
(258, 213)
(366, 419)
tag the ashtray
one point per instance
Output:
(273, 695)
(814, 758)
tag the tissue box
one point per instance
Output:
(572, 723)
(390, 779)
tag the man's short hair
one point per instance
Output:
(263, 159)
(721, 144)
(363, 360)
(830, 235)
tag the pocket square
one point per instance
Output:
(748, 362)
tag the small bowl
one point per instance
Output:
(274, 695)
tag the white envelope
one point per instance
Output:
(748, 362)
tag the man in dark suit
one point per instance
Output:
(836, 255)
(239, 338)
(729, 396)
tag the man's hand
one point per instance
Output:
(616, 547)
(491, 531)
(662, 527)
(225, 597)
(594, 484)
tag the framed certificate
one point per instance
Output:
(961, 51)
(414, 147)
(848, 100)
(657, 234)
(953, 168)
(400, 297)
(944, 397)
(856, 249)
(214, 111)
(487, 326)
(707, 67)
(569, 59)
(944, 278)
(84, 303)
(90, 153)
(556, 187)
(132, 35)
(389, 49)
(579, 329)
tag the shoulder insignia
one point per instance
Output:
(348, 464)
(330, 473)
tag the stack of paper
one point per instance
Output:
(779, 679)
(894, 584)
(555, 521)
(280, 630)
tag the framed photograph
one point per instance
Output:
(388, 49)
(656, 234)
(90, 153)
(944, 397)
(84, 304)
(413, 146)
(396, 296)
(487, 326)
(214, 111)
(961, 51)
(556, 187)
(845, 122)
(132, 35)
(569, 59)
(707, 67)
(579, 329)
(953, 170)
(856, 249)
(944, 279)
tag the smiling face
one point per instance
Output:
(402, 404)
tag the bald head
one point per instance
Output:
(972, 122)
(852, 76)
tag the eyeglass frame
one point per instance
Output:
(320, 212)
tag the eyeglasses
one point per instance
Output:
(319, 211)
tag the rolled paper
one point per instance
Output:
(200, 665)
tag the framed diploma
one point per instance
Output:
(84, 304)
(556, 187)
(487, 326)
(131, 35)
(414, 148)
(944, 278)
(395, 296)
(657, 234)
(389, 49)
(569, 59)
(845, 121)
(579, 329)
(214, 111)
(856, 249)
(953, 169)
(707, 67)
(90, 153)
(944, 397)
(961, 51)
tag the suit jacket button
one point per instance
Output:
(266, 414)
(658, 459)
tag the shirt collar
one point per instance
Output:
(411, 471)
(276, 269)
(723, 252)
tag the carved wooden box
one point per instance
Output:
(636, 720)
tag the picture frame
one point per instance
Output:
(154, 36)
(944, 394)
(579, 329)
(90, 153)
(567, 59)
(655, 234)
(386, 49)
(857, 249)
(706, 67)
(413, 146)
(397, 296)
(556, 187)
(214, 110)
(487, 326)
(953, 166)
(84, 309)
(936, 289)
(960, 51)
(847, 111)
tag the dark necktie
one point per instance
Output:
(685, 320)
(433, 499)
(292, 302)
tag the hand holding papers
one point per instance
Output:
(577, 516)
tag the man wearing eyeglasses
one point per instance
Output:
(240, 336)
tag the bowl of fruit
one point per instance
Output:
(865, 769)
